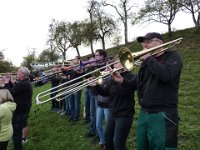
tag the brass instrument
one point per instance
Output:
(41, 98)
(128, 59)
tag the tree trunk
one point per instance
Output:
(64, 55)
(169, 29)
(91, 46)
(103, 43)
(198, 21)
(126, 32)
(77, 50)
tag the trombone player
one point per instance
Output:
(157, 85)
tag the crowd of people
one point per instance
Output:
(156, 84)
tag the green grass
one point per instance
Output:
(50, 131)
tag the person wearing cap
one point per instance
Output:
(157, 85)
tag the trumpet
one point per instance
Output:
(128, 60)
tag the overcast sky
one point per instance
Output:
(24, 24)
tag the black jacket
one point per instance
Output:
(158, 82)
(121, 98)
(22, 93)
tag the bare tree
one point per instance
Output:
(59, 37)
(105, 25)
(124, 12)
(193, 7)
(89, 33)
(75, 35)
(162, 11)
(91, 25)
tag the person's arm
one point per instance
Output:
(167, 70)
(17, 88)
(103, 89)
(130, 83)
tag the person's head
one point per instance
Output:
(118, 64)
(100, 54)
(150, 40)
(78, 57)
(23, 73)
(5, 96)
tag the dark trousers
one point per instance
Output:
(18, 121)
(3, 145)
(116, 132)
(157, 131)
(54, 102)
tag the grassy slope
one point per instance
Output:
(51, 131)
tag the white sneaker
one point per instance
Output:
(24, 141)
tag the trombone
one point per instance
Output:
(60, 88)
(127, 59)
(101, 75)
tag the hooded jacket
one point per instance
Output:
(6, 113)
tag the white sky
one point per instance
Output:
(24, 24)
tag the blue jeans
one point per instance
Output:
(76, 105)
(93, 105)
(116, 132)
(101, 114)
(68, 105)
(18, 121)
(87, 96)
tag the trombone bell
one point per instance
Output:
(126, 58)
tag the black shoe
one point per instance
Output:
(70, 119)
(86, 121)
(75, 120)
(89, 135)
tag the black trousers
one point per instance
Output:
(3, 145)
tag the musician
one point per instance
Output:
(88, 68)
(99, 54)
(55, 81)
(157, 84)
(121, 104)
(22, 93)
(75, 99)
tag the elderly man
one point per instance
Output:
(157, 85)
(22, 94)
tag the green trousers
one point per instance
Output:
(157, 131)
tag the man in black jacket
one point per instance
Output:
(157, 85)
(22, 93)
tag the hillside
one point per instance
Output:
(50, 131)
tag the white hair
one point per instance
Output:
(25, 71)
